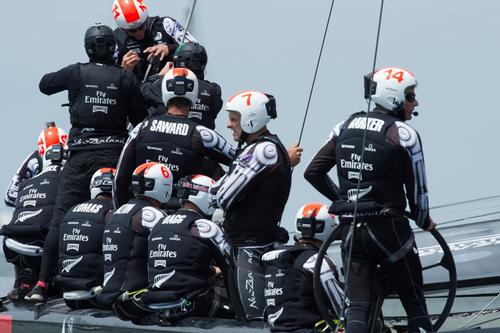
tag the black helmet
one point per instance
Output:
(100, 42)
(191, 55)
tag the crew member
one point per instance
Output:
(80, 268)
(378, 177)
(26, 232)
(288, 288)
(125, 241)
(185, 253)
(171, 138)
(208, 103)
(102, 99)
(32, 165)
(253, 195)
(142, 39)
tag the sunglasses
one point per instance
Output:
(410, 97)
(133, 31)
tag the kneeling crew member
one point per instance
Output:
(80, 243)
(290, 303)
(183, 249)
(25, 234)
(125, 241)
(33, 164)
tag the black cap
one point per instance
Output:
(100, 42)
(191, 55)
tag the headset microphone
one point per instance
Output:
(415, 113)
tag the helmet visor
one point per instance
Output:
(309, 226)
(185, 188)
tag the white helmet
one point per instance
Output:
(153, 180)
(389, 87)
(129, 14)
(179, 82)
(314, 221)
(51, 135)
(255, 108)
(102, 182)
(195, 189)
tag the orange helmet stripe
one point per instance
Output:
(129, 10)
(311, 208)
(106, 170)
(144, 167)
(239, 93)
(51, 136)
(180, 71)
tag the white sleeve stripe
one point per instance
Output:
(410, 140)
(239, 178)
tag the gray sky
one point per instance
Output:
(452, 46)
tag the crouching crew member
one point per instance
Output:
(25, 234)
(183, 249)
(80, 243)
(289, 276)
(125, 241)
(33, 164)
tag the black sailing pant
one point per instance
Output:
(374, 241)
(74, 188)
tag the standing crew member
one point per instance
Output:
(253, 194)
(140, 37)
(33, 164)
(102, 98)
(290, 302)
(392, 171)
(171, 138)
(208, 103)
(125, 241)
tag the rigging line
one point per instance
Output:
(480, 312)
(458, 296)
(316, 72)
(353, 223)
(152, 60)
(470, 217)
(478, 325)
(466, 201)
(190, 15)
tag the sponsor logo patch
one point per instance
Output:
(72, 246)
(68, 264)
(353, 194)
(162, 278)
(27, 215)
(107, 276)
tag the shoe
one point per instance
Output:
(37, 294)
(18, 292)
